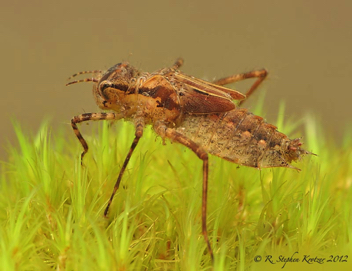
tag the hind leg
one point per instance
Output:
(260, 74)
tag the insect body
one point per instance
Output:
(241, 137)
(197, 114)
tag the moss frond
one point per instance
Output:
(51, 207)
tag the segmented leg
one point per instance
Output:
(94, 80)
(260, 74)
(139, 132)
(84, 72)
(178, 63)
(87, 117)
(177, 137)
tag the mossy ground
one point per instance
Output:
(51, 208)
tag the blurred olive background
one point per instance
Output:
(305, 45)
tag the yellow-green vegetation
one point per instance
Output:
(51, 208)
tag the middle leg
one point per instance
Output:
(177, 137)
(139, 123)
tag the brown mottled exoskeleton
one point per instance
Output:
(200, 115)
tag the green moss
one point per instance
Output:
(51, 208)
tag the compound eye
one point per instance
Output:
(103, 86)
(114, 68)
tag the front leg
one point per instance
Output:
(139, 123)
(87, 117)
(173, 135)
